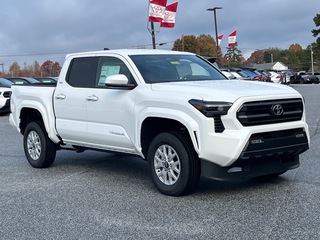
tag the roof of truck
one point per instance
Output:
(126, 52)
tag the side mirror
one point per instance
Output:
(119, 81)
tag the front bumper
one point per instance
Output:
(264, 154)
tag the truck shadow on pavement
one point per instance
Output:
(206, 185)
(133, 170)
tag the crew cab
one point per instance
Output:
(174, 109)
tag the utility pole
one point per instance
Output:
(312, 69)
(153, 35)
(216, 25)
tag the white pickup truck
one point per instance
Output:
(174, 109)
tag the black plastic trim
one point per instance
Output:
(260, 112)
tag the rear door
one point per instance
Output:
(70, 100)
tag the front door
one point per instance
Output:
(110, 111)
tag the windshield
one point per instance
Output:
(249, 73)
(174, 68)
(5, 83)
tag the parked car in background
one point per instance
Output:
(289, 76)
(17, 81)
(212, 60)
(252, 73)
(234, 73)
(5, 83)
(307, 78)
(49, 80)
(317, 76)
(266, 75)
(5, 93)
(228, 75)
(22, 80)
(276, 77)
(237, 75)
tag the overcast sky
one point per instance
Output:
(48, 29)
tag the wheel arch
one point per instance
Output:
(30, 114)
(152, 126)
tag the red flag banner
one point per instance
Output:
(219, 39)
(156, 10)
(232, 39)
(169, 18)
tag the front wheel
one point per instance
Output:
(173, 164)
(38, 148)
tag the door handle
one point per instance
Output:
(92, 98)
(60, 96)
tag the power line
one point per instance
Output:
(30, 54)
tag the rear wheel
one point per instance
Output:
(173, 164)
(38, 148)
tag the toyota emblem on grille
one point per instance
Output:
(277, 109)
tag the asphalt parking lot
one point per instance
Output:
(95, 195)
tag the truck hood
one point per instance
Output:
(223, 90)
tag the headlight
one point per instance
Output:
(211, 109)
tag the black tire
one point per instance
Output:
(178, 172)
(38, 148)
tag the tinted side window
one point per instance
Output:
(82, 72)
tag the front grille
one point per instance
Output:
(270, 112)
(284, 144)
(7, 94)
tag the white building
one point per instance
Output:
(271, 66)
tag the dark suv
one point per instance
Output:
(307, 78)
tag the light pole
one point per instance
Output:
(215, 25)
(2, 68)
(153, 36)
(312, 69)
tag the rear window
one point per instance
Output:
(82, 72)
